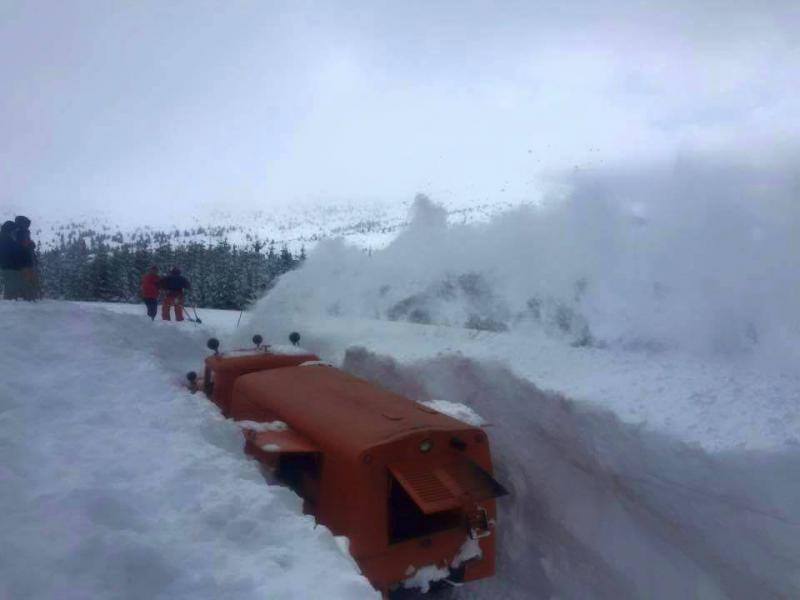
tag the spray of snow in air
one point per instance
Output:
(696, 257)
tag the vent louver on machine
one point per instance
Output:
(444, 487)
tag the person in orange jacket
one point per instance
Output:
(174, 286)
(150, 291)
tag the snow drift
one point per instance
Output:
(115, 482)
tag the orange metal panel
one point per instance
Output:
(435, 488)
(472, 481)
(341, 413)
(227, 368)
(426, 486)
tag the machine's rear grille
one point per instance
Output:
(425, 486)
(445, 486)
(428, 486)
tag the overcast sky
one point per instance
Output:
(135, 106)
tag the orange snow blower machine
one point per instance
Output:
(410, 487)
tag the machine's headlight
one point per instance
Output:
(425, 446)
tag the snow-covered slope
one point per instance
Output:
(115, 482)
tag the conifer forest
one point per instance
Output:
(96, 266)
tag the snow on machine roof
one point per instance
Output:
(333, 407)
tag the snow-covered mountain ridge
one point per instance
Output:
(368, 225)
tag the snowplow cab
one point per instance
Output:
(222, 369)
(410, 487)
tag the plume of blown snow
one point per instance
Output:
(696, 255)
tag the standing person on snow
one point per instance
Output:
(174, 285)
(10, 259)
(150, 290)
(27, 257)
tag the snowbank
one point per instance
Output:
(117, 483)
(716, 404)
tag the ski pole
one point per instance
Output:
(194, 310)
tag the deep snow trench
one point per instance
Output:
(600, 509)
(601, 506)
(115, 482)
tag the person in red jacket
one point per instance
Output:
(150, 291)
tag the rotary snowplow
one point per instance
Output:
(411, 488)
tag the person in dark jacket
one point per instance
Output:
(150, 291)
(27, 257)
(10, 261)
(174, 285)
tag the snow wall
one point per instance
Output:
(116, 483)
(698, 256)
(599, 509)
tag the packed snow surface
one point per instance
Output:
(115, 482)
